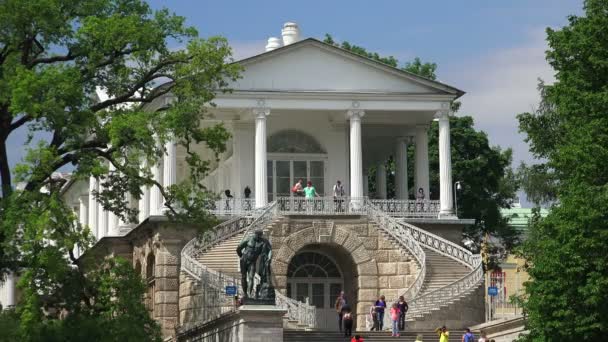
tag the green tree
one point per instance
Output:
(53, 57)
(489, 183)
(566, 252)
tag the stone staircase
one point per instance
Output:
(222, 257)
(325, 336)
(441, 271)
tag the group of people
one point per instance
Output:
(444, 335)
(397, 314)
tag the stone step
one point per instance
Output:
(328, 336)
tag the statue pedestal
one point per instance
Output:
(261, 323)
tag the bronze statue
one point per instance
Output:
(255, 253)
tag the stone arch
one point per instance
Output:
(138, 268)
(340, 240)
(293, 141)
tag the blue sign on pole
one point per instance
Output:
(492, 291)
(230, 290)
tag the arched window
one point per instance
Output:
(293, 141)
(312, 265)
(150, 280)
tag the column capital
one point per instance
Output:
(261, 112)
(355, 114)
(443, 115)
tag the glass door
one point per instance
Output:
(283, 174)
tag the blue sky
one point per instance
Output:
(494, 50)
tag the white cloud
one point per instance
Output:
(501, 84)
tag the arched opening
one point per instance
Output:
(138, 268)
(319, 272)
(150, 278)
(294, 155)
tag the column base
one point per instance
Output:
(447, 214)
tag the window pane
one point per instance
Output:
(316, 169)
(301, 291)
(289, 290)
(319, 186)
(318, 295)
(299, 171)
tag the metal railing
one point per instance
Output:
(296, 205)
(442, 296)
(403, 237)
(321, 205)
(408, 208)
(214, 283)
(232, 206)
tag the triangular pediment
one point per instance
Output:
(311, 65)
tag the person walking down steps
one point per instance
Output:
(395, 320)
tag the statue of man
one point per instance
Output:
(249, 250)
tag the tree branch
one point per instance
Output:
(149, 76)
(53, 59)
(19, 122)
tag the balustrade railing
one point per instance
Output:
(403, 237)
(407, 208)
(296, 205)
(321, 206)
(441, 296)
(215, 300)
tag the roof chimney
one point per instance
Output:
(291, 33)
(273, 43)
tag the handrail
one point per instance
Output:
(401, 231)
(437, 297)
(403, 236)
(216, 282)
(434, 299)
(408, 208)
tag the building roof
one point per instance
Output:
(520, 217)
(336, 49)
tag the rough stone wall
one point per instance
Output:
(162, 244)
(378, 266)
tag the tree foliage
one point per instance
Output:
(416, 66)
(54, 57)
(566, 252)
(489, 183)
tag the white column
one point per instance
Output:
(422, 160)
(144, 201)
(83, 215)
(156, 197)
(93, 209)
(446, 200)
(401, 186)
(112, 218)
(356, 155)
(102, 217)
(381, 181)
(261, 186)
(11, 294)
(169, 167)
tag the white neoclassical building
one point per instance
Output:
(312, 111)
(308, 110)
